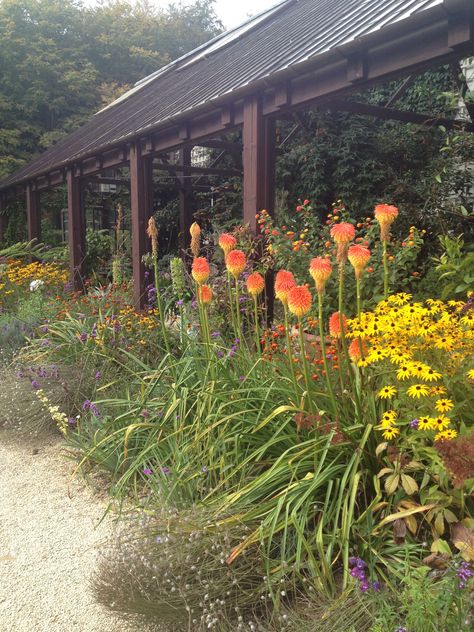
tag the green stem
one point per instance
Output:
(159, 303)
(257, 329)
(238, 333)
(231, 301)
(341, 312)
(290, 352)
(323, 350)
(385, 269)
(305, 364)
(359, 311)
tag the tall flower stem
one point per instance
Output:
(323, 350)
(160, 304)
(257, 328)
(231, 300)
(290, 351)
(341, 311)
(238, 333)
(359, 311)
(385, 269)
(305, 364)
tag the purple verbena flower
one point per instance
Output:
(464, 573)
(98, 375)
(86, 405)
(147, 471)
(165, 470)
(414, 423)
(83, 336)
(35, 385)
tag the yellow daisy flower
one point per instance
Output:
(403, 372)
(424, 423)
(386, 392)
(446, 435)
(388, 419)
(390, 433)
(444, 405)
(430, 375)
(441, 422)
(418, 390)
(438, 390)
(470, 374)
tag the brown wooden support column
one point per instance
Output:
(33, 213)
(259, 174)
(185, 199)
(258, 161)
(141, 200)
(3, 219)
(76, 230)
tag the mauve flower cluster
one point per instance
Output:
(90, 406)
(464, 573)
(358, 570)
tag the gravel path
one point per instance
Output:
(48, 541)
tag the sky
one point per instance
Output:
(232, 12)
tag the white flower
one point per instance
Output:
(34, 285)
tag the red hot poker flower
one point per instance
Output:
(299, 300)
(200, 270)
(235, 262)
(320, 269)
(255, 284)
(284, 282)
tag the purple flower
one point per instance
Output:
(242, 378)
(83, 336)
(72, 421)
(94, 331)
(180, 303)
(464, 573)
(147, 471)
(35, 385)
(45, 343)
(45, 329)
(95, 411)
(215, 334)
(414, 423)
(165, 470)
(86, 405)
(194, 304)
(116, 327)
(219, 354)
(98, 375)
(145, 413)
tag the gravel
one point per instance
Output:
(49, 534)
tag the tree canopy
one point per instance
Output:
(60, 61)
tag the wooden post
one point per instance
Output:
(185, 199)
(3, 219)
(76, 230)
(141, 200)
(33, 213)
(258, 161)
(259, 174)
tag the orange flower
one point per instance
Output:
(354, 349)
(255, 284)
(385, 214)
(299, 300)
(227, 242)
(320, 270)
(359, 258)
(235, 262)
(200, 270)
(205, 294)
(335, 325)
(343, 233)
(284, 282)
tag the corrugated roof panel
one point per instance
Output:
(287, 34)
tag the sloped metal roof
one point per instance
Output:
(288, 34)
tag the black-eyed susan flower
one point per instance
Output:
(388, 419)
(438, 390)
(403, 372)
(424, 423)
(391, 433)
(444, 405)
(446, 435)
(387, 392)
(418, 390)
(441, 422)
(430, 375)
(470, 374)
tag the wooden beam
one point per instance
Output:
(211, 171)
(259, 161)
(3, 219)
(33, 212)
(76, 230)
(235, 147)
(365, 109)
(185, 199)
(141, 200)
